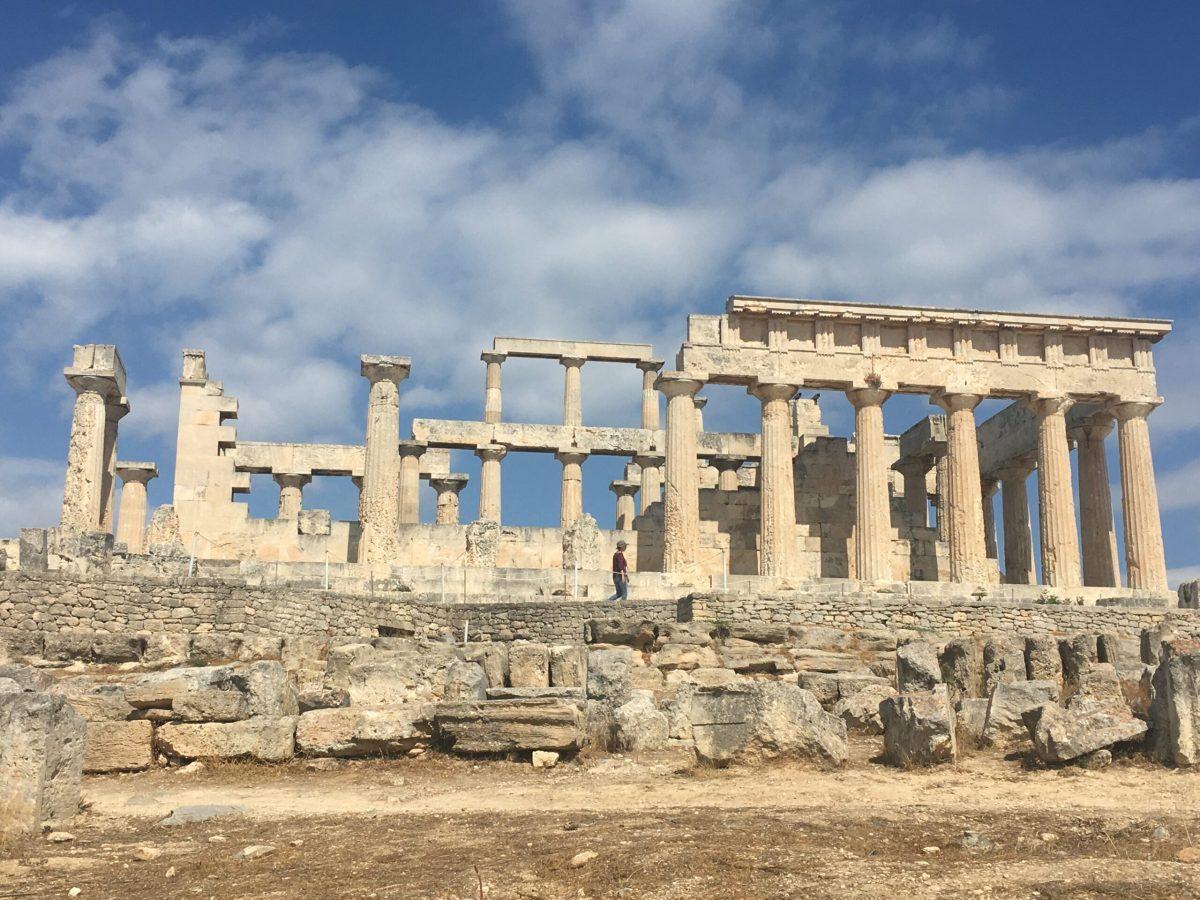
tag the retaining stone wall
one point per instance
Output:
(559, 622)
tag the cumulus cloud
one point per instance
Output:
(30, 492)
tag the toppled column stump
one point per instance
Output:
(41, 761)
(1175, 711)
(919, 728)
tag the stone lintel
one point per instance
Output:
(385, 368)
(598, 351)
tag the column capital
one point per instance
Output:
(1050, 406)
(136, 471)
(1124, 410)
(571, 455)
(678, 384)
(952, 402)
(490, 452)
(649, 365)
(913, 465)
(455, 482)
(1020, 468)
(624, 488)
(572, 362)
(1095, 427)
(766, 391)
(649, 460)
(990, 486)
(493, 356)
(385, 368)
(726, 463)
(103, 385)
(291, 479)
(412, 448)
(116, 409)
(700, 402)
(871, 396)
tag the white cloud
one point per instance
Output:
(30, 493)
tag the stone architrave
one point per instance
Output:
(378, 506)
(489, 481)
(873, 525)
(410, 481)
(447, 488)
(131, 523)
(963, 494)
(492, 400)
(291, 493)
(571, 498)
(1018, 532)
(727, 471)
(777, 493)
(649, 369)
(681, 502)
(1056, 498)
(572, 390)
(1100, 566)
(1145, 561)
(625, 491)
(651, 466)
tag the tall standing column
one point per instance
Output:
(625, 512)
(962, 497)
(916, 491)
(872, 518)
(447, 488)
(378, 504)
(1144, 557)
(572, 391)
(777, 493)
(113, 413)
(83, 493)
(1100, 566)
(489, 481)
(681, 500)
(1056, 499)
(491, 387)
(651, 465)
(650, 420)
(1018, 534)
(291, 493)
(409, 511)
(571, 501)
(131, 521)
(990, 486)
(727, 471)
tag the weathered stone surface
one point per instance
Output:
(568, 665)
(709, 677)
(260, 646)
(686, 657)
(265, 738)
(465, 681)
(502, 726)
(8, 686)
(209, 705)
(29, 678)
(623, 632)
(1042, 659)
(558, 693)
(493, 656)
(760, 633)
(917, 667)
(1063, 734)
(1003, 662)
(1078, 653)
(118, 746)
(316, 697)
(1099, 681)
(384, 730)
(1009, 702)
(1175, 711)
(528, 664)
(95, 702)
(961, 663)
(87, 646)
(483, 539)
(722, 721)
(41, 761)
(1137, 687)
(695, 633)
(821, 637)
(919, 729)
(640, 725)
(610, 675)
(165, 649)
(746, 656)
(598, 725)
(389, 678)
(860, 711)
(268, 690)
(208, 649)
(158, 690)
(805, 660)
(972, 719)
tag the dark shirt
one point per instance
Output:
(619, 564)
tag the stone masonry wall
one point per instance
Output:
(554, 622)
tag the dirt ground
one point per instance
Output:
(442, 827)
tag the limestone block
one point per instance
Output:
(41, 762)
(1003, 662)
(695, 633)
(163, 536)
(208, 649)
(686, 657)
(34, 550)
(1098, 682)
(343, 658)
(568, 665)
(961, 663)
(265, 738)
(465, 681)
(860, 711)
(314, 521)
(311, 698)
(581, 545)
(8, 686)
(493, 656)
(804, 660)
(260, 646)
(1078, 653)
(528, 664)
(1175, 711)
(378, 731)
(483, 541)
(721, 720)
(208, 705)
(389, 678)
(972, 719)
(917, 667)
(268, 690)
(29, 678)
(554, 693)
(158, 690)
(1009, 702)
(1042, 659)
(761, 633)
(609, 675)
(821, 637)
(165, 649)
(747, 657)
(118, 746)
(919, 729)
(635, 633)
(95, 702)
(640, 725)
(503, 726)
(1189, 593)
(1063, 734)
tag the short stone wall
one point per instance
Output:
(559, 622)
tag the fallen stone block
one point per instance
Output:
(8, 686)
(158, 690)
(1137, 687)
(528, 664)
(1005, 726)
(465, 681)
(1062, 734)
(961, 664)
(493, 656)
(760, 633)
(1175, 710)
(722, 720)
(830, 640)
(747, 657)
(208, 705)
(1078, 653)
(917, 667)
(267, 688)
(165, 649)
(118, 746)
(64, 646)
(807, 660)
(1043, 662)
(319, 697)
(265, 738)
(860, 711)
(254, 647)
(29, 678)
(381, 731)
(686, 657)
(503, 726)
(971, 717)
(95, 702)
(210, 649)
(638, 634)
(694, 633)
(1003, 662)
(640, 725)
(42, 742)
(610, 674)
(553, 693)
(1099, 681)
(919, 729)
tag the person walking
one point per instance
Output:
(620, 573)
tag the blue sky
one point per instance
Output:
(288, 185)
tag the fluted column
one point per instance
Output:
(941, 479)
(777, 493)
(681, 500)
(113, 413)
(1144, 558)
(572, 391)
(1100, 566)
(872, 518)
(1056, 498)
(409, 511)
(651, 466)
(700, 403)
(916, 491)
(491, 386)
(83, 493)
(990, 486)
(131, 520)
(571, 500)
(291, 493)
(962, 496)
(727, 471)
(378, 504)
(447, 488)
(1018, 534)
(649, 368)
(625, 511)
(489, 481)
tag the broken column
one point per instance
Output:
(489, 481)
(131, 523)
(873, 521)
(625, 509)
(98, 377)
(572, 390)
(571, 498)
(1018, 533)
(291, 493)
(1056, 498)
(1144, 559)
(649, 369)
(378, 506)
(410, 481)
(651, 465)
(777, 494)
(681, 501)
(962, 498)
(491, 391)
(1099, 549)
(447, 488)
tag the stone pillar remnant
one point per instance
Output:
(700, 403)
(651, 465)
(873, 525)
(489, 481)
(448, 488)
(990, 486)
(1144, 558)
(962, 497)
(625, 508)
(727, 471)
(291, 493)
(777, 495)
(650, 420)
(1056, 498)
(98, 377)
(572, 390)
(409, 512)
(492, 404)
(681, 501)
(571, 502)
(131, 521)
(1100, 565)
(378, 505)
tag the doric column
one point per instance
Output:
(491, 385)
(681, 500)
(291, 493)
(651, 465)
(1144, 558)
(447, 488)
(572, 392)
(489, 481)
(1100, 566)
(571, 502)
(113, 413)
(872, 518)
(624, 491)
(650, 419)
(83, 494)
(409, 511)
(990, 486)
(916, 490)
(378, 504)
(1056, 498)
(700, 403)
(941, 478)
(131, 521)
(962, 497)
(776, 489)
(1018, 535)
(727, 471)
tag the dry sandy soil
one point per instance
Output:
(441, 827)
